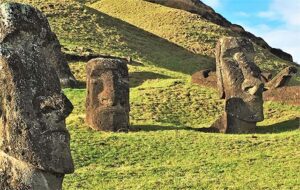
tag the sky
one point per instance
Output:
(276, 21)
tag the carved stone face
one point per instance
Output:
(32, 107)
(23, 19)
(239, 79)
(107, 94)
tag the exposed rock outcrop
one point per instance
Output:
(239, 83)
(107, 103)
(34, 142)
(197, 7)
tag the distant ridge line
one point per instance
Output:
(208, 13)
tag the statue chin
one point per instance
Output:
(23, 176)
(59, 160)
(245, 111)
(113, 118)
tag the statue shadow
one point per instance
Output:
(285, 126)
(138, 78)
(148, 128)
(81, 85)
(158, 51)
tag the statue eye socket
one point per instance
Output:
(247, 88)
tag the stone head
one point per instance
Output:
(239, 79)
(33, 108)
(25, 23)
(107, 94)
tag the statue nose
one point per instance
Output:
(108, 97)
(254, 89)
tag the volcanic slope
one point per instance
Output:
(164, 150)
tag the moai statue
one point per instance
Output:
(34, 142)
(282, 78)
(107, 103)
(240, 84)
(28, 21)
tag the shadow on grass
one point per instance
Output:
(81, 85)
(282, 127)
(136, 128)
(159, 51)
(138, 78)
(285, 126)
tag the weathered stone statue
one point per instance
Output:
(34, 141)
(32, 27)
(107, 103)
(277, 89)
(240, 84)
(282, 78)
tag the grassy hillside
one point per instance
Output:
(84, 30)
(164, 150)
(180, 27)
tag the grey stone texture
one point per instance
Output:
(34, 142)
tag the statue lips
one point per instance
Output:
(241, 109)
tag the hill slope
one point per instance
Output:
(164, 150)
(183, 28)
(206, 12)
(111, 28)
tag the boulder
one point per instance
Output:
(107, 102)
(34, 142)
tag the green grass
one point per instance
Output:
(170, 154)
(183, 160)
(163, 149)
